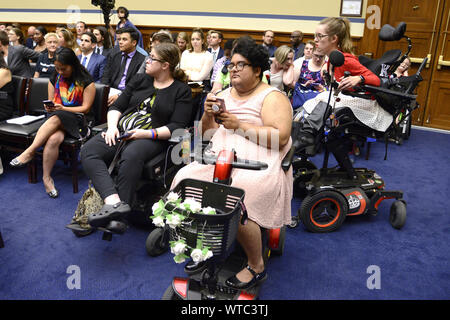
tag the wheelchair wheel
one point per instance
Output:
(155, 244)
(323, 211)
(397, 216)
(170, 294)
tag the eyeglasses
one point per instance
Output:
(151, 59)
(320, 36)
(239, 66)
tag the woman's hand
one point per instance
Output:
(53, 107)
(139, 134)
(349, 82)
(111, 136)
(209, 102)
(228, 120)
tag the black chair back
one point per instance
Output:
(100, 105)
(37, 92)
(19, 97)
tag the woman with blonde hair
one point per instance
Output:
(67, 40)
(196, 61)
(182, 41)
(45, 65)
(281, 62)
(334, 34)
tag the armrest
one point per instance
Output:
(99, 128)
(388, 91)
(287, 160)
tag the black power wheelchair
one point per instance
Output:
(156, 178)
(331, 194)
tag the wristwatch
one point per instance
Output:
(362, 80)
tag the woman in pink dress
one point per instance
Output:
(257, 124)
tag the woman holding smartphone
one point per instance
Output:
(151, 107)
(72, 92)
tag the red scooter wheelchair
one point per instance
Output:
(216, 231)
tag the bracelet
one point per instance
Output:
(154, 134)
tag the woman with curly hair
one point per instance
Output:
(257, 124)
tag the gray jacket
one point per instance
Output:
(18, 60)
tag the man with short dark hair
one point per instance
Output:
(215, 39)
(297, 44)
(122, 64)
(93, 62)
(80, 29)
(267, 38)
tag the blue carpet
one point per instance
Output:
(413, 262)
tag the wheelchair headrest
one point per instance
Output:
(389, 33)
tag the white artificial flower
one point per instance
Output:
(194, 205)
(197, 255)
(172, 196)
(158, 221)
(207, 255)
(173, 220)
(155, 207)
(178, 248)
(209, 210)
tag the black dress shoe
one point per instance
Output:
(108, 213)
(258, 278)
(194, 267)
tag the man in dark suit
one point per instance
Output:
(215, 39)
(297, 44)
(94, 63)
(17, 57)
(104, 46)
(122, 64)
(267, 38)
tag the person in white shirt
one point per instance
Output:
(196, 61)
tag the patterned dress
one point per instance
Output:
(304, 93)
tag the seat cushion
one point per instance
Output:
(20, 129)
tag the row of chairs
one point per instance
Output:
(28, 97)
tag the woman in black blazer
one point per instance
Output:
(150, 108)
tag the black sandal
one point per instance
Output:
(258, 278)
(108, 213)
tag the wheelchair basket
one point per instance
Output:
(217, 231)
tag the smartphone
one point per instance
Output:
(220, 106)
(124, 135)
(48, 103)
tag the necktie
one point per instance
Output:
(214, 56)
(84, 61)
(123, 64)
(98, 51)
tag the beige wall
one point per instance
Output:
(282, 17)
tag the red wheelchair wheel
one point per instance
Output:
(323, 211)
